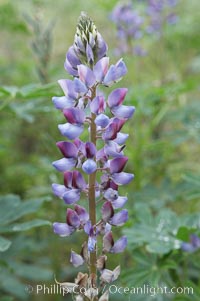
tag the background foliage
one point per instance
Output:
(163, 149)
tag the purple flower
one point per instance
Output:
(193, 245)
(76, 259)
(114, 247)
(115, 219)
(115, 73)
(74, 219)
(83, 104)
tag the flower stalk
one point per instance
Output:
(83, 104)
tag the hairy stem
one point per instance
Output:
(92, 203)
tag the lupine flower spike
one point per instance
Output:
(92, 169)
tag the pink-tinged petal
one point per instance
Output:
(116, 97)
(86, 75)
(63, 102)
(110, 194)
(113, 149)
(64, 164)
(76, 259)
(89, 53)
(122, 178)
(107, 211)
(68, 179)
(74, 115)
(70, 69)
(72, 218)
(72, 57)
(113, 128)
(110, 276)
(67, 86)
(89, 166)
(72, 196)
(102, 46)
(118, 164)
(119, 245)
(63, 229)
(68, 149)
(101, 68)
(113, 185)
(78, 180)
(119, 122)
(119, 218)
(98, 105)
(123, 111)
(108, 242)
(115, 73)
(101, 156)
(102, 120)
(90, 149)
(71, 131)
(119, 202)
(80, 87)
(110, 132)
(58, 190)
(82, 213)
(121, 138)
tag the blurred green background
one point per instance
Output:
(163, 149)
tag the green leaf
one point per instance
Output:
(4, 244)
(29, 225)
(10, 284)
(183, 233)
(12, 208)
(31, 272)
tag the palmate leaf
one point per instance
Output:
(160, 233)
(12, 208)
(18, 227)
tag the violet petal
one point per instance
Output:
(98, 105)
(68, 149)
(102, 120)
(64, 164)
(119, 202)
(89, 166)
(71, 131)
(101, 68)
(71, 196)
(74, 115)
(116, 97)
(76, 259)
(82, 213)
(122, 178)
(118, 164)
(86, 75)
(119, 245)
(58, 189)
(123, 111)
(72, 218)
(62, 102)
(119, 218)
(107, 211)
(63, 229)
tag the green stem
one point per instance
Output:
(92, 203)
